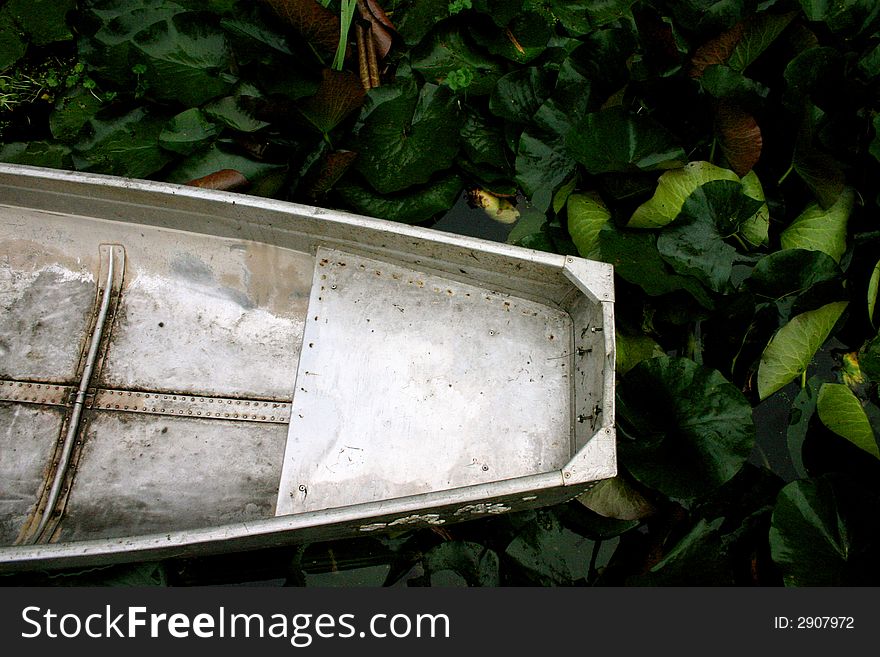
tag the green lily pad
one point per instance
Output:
(542, 164)
(842, 412)
(614, 140)
(72, 111)
(549, 553)
(873, 291)
(756, 229)
(823, 532)
(449, 50)
(790, 351)
(36, 154)
(475, 564)
(635, 259)
(686, 430)
(633, 349)
(673, 189)
(587, 214)
(791, 271)
(518, 95)
(482, 141)
(126, 145)
(187, 132)
(405, 138)
(818, 229)
(413, 206)
(43, 21)
(617, 498)
(185, 58)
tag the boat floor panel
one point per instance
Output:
(409, 383)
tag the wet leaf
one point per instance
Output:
(551, 554)
(740, 138)
(475, 564)
(614, 140)
(673, 189)
(187, 132)
(791, 271)
(790, 351)
(842, 412)
(518, 95)
(339, 94)
(587, 214)
(227, 180)
(36, 154)
(756, 229)
(413, 206)
(399, 144)
(316, 24)
(635, 259)
(127, 145)
(686, 429)
(817, 229)
(542, 164)
(873, 293)
(760, 32)
(824, 533)
(617, 498)
(448, 50)
(633, 349)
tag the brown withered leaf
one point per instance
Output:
(331, 169)
(739, 137)
(717, 50)
(227, 180)
(317, 24)
(381, 26)
(338, 95)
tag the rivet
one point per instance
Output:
(567, 475)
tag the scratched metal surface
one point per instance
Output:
(410, 383)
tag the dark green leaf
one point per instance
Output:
(542, 164)
(416, 205)
(725, 83)
(217, 157)
(814, 72)
(635, 259)
(687, 429)
(43, 21)
(483, 142)
(522, 40)
(549, 553)
(518, 95)
(399, 143)
(124, 146)
(845, 17)
(184, 58)
(12, 45)
(475, 564)
(824, 533)
(72, 111)
(36, 153)
(791, 271)
(869, 358)
(448, 50)
(187, 132)
(416, 19)
(873, 293)
(614, 140)
(802, 409)
(708, 16)
(531, 222)
(759, 34)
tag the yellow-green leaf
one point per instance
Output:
(756, 228)
(817, 229)
(873, 290)
(587, 215)
(673, 189)
(794, 345)
(842, 412)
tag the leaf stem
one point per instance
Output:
(785, 175)
(803, 379)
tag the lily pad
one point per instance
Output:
(842, 412)
(126, 145)
(43, 21)
(873, 291)
(187, 132)
(72, 112)
(818, 229)
(339, 94)
(791, 271)
(36, 154)
(673, 189)
(824, 533)
(790, 351)
(413, 206)
(399, 144)
(587, 214)
(549, 553)
(475, 564)
(686, 430)
(449, 50)
(518, 95)
(614, 140)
